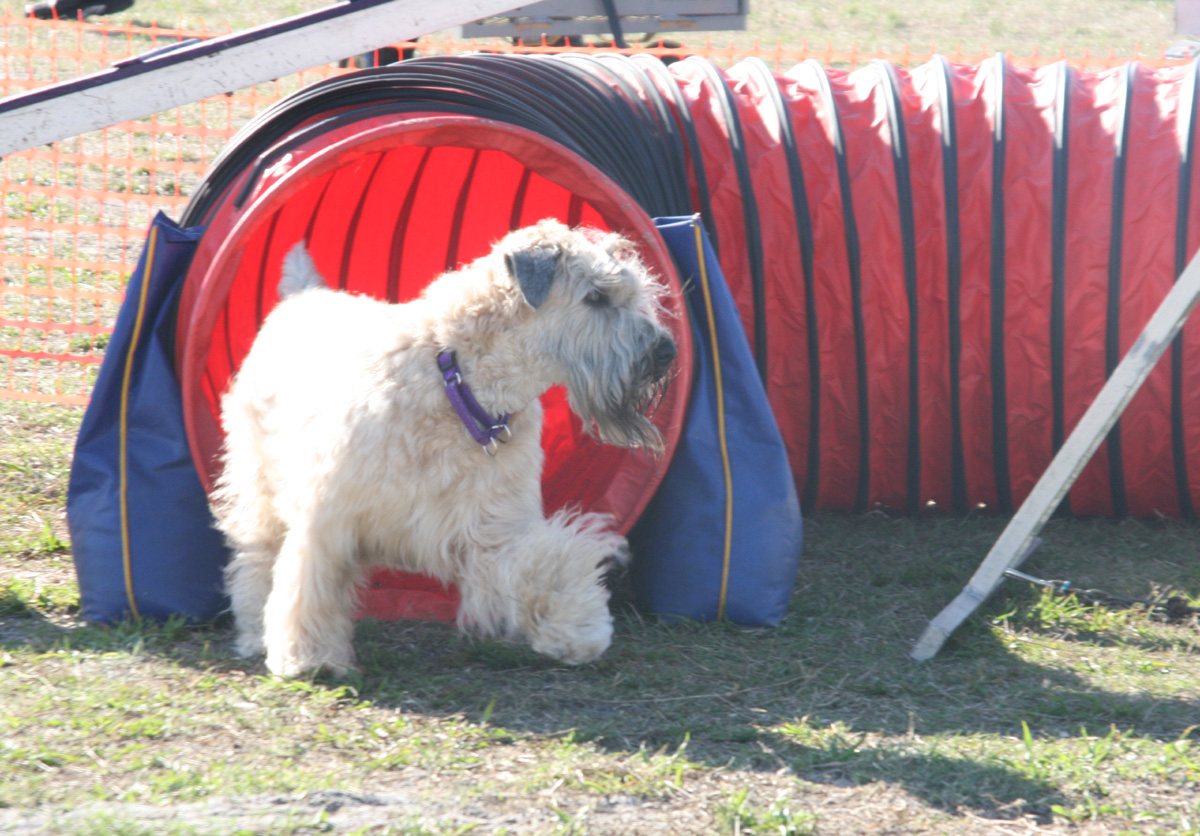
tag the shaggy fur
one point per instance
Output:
(343, 451)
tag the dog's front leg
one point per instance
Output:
(307, 621)
(545, 582)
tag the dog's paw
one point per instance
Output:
(285, 666)
(292, 664)
(248, 645)
(578, 645)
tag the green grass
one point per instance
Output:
(35, 448)
(977, 27)
(736, 815)
(1040, 709)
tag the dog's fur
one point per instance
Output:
(343, 451)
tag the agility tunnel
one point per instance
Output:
(394, 178)
(936, 267)
(389, 195)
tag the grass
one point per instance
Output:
(1040, 711)
(35, 447)
(977, 27)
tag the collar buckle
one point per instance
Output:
(488, 431)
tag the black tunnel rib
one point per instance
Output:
(949, 136)
(999, 368)
(1112, 338)
(586, 104)
(1187, 105)
(908, 238)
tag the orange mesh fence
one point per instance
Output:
(75, 212)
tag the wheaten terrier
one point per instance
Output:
(361, 433)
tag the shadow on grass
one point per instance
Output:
(706, 687)
(23, 628)
(830, 695)
(29, 629)
(950, 783)
(736, 698)
(837, 671)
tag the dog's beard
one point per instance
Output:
(624, 415)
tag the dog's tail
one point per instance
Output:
(299, 272)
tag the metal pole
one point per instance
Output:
(1015, 542)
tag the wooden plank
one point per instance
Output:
(188, 72)
(587, 17)
(532, 28)
(666, 8)
(1017, 538)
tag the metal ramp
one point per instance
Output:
(192, 70)
(561, 18)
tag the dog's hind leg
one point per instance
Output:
(244, 505)
(307, 621)
(248, 582)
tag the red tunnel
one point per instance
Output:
(937, 268)
(373, 199)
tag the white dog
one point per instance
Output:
(360, 433)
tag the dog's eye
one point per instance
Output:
(596, 297)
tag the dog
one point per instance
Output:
(360, 432)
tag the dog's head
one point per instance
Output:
(597, 319)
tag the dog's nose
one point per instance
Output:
(663, 354)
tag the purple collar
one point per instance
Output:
(485, 429)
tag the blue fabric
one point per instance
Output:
(175, 554)
(679, 542)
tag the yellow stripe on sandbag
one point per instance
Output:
(716, 358)
(123, 463)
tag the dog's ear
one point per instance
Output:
(533, 269)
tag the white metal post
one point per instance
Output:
(1018, 536)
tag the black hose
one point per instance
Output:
(590, 106)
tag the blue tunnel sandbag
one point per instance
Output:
(721, 538)
(141, 531)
